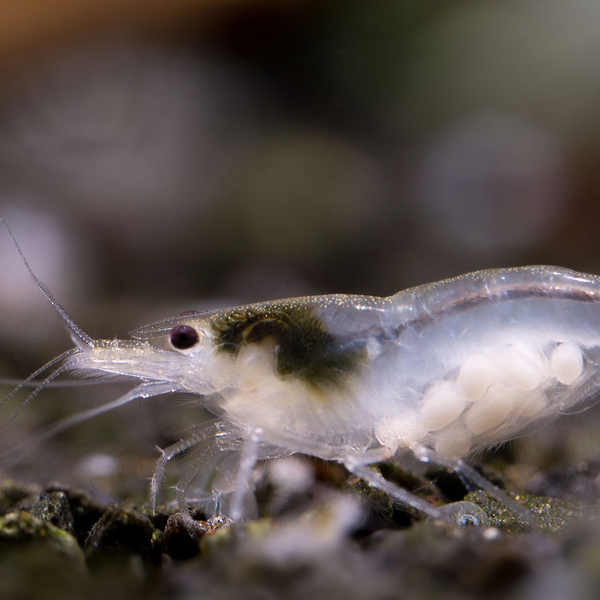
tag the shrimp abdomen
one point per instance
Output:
(483, 357)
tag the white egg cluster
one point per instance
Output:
(492, 389)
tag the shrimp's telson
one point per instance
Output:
(440, 370)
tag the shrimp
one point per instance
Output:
(439, 370)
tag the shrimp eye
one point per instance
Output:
(183, 337)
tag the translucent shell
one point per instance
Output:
(441, 370)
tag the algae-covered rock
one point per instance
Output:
(86, 511)
(38, 560)
(20, 529)
(124, 531)
(183, 536)
(451, 562)
(52, 507)
(551, 514)
(12, 493)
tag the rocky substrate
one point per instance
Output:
(336, 539)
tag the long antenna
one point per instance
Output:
(26, 382)
(62, 313)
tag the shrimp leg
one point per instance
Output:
(208, 466)
(357, 463)
(202, 433)
(247, 462)
(427, 455)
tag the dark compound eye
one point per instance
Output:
(183, 337)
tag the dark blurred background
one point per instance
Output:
(163, 156)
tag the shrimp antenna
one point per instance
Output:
(147, 389)
(62, 313)
(59, 371)
(29, 380)
(28, 383)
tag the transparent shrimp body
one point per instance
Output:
(488, 356)
(440, 370)
(455, 366)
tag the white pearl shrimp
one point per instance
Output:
(439, 370)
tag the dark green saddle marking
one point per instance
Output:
(303, 345)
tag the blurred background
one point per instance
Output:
(160, 157)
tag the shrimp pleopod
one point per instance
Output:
(439, 370)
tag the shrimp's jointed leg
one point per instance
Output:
(427, 455)
(205, 466)
(358, 464)
(180, 490)
(247, 462)
(200, 434)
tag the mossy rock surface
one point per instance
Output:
(38, 560)
(551, 514)
(124, 531)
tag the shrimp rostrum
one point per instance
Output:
(439, 370)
